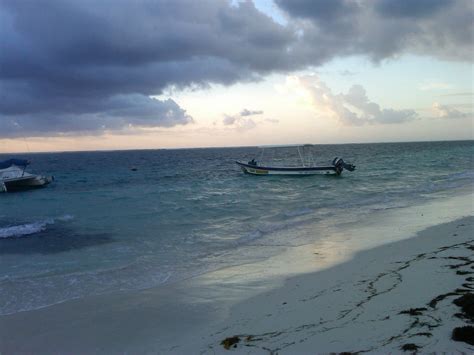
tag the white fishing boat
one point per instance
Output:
(306, 166)
(13, 176)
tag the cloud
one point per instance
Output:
(428, 86)
(229, 120)
(353, 108)
(272, 120)
(116, 113)
(242, 122)
(458, 94)
(246, 112)
(413, 9)
(347, 73)
(443, 111)
(239, 123)
(319, 10)
(73, 67)
(67, 66)
(382, 29)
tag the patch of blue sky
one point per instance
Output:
(271, 9)
(405, 82)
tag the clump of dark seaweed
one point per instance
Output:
(436, 300)
(466, 302)
(413, 311)
(231, 341)
(410, 347)
(423, 334)
(465, 334)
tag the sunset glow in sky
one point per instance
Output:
(89, 75)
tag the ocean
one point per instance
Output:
(102, 227)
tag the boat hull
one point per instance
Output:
(24, 183)
(261, 170)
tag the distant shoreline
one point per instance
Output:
(230, 147)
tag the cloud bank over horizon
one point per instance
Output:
(69, 67)
(446, 112)
(351, 109)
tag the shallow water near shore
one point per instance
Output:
(102, 228)
(196, 314)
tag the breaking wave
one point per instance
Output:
(27, 229)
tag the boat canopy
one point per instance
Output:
(18, 162)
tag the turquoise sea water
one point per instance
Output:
(101, 227)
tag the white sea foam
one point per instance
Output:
(23, 230)
(27, 229)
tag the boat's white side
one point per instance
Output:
(272, 172)
(15, 178)
(260, 170)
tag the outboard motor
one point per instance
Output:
(341, 165)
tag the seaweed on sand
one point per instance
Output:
(466, 302)
(465, 334)
(414, 311)
(410, 347)
(230, 341)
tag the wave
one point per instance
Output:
(298, 212)
(461, 175)
(27, 229)
(266, 229)
(43, 291)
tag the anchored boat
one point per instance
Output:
(13, 176)
(306, 167)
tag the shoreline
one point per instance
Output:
(395, 295)
(195, 315)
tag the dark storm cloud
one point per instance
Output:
(89, 66)
(115, 113)
(74, 66)
(384, 28)
(418, 8)
(324, 10)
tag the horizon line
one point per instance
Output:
(237, 146)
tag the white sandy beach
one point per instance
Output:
(362, 304)
(359, 306)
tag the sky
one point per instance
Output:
(145, 74)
